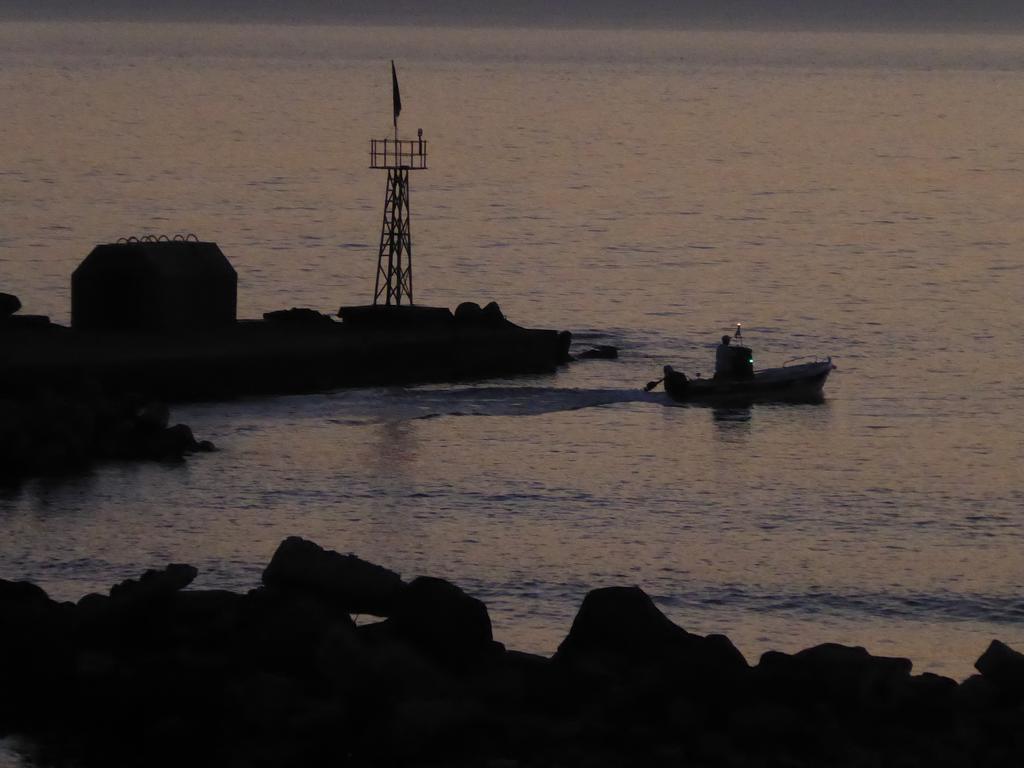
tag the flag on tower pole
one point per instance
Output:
(395, 94)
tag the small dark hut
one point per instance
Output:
(152, 285)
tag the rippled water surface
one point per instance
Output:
(849, 195)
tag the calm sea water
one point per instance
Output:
(849, 195)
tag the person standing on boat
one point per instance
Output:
(724, 359)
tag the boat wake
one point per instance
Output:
(355, 407)
(507, 401)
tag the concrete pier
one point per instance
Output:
(265, 357)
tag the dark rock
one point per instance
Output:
(340, 656)
(387, 662)
(443, 622)
(355, 585)
(492, 314)
(846, 678)
(55, 431)
(620, 620)
(518, 682)
(25, 611)
(923, 702)
(9, 304)
(214, 611)
(35, 653)
(1004, 668)
(624, 623)
(152, 416)
(289, 632)
(23, 321)
(171, 443)
(976, 693)
(265, 700)
(317, 730)
(624, 662)
(158, 675)
(766, 722)
(435, 725)
(600, 352)
(928, 689)
(153, 586)
(47, 434)
(21, 595)
(298, 316)
(92, 610)
(468, 312)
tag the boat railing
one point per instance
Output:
(805, 360)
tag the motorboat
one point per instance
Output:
(736, 380)
(791, 383)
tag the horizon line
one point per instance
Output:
(609, 24)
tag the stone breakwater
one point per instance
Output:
(157, 674)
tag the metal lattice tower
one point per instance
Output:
(394, 260)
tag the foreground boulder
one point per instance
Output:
(134, 609)
(843, 676)
(9, 304)
(643, 685)
(157, 674)
(622, 626)
(154, 585)
(440, 620)
(353, 584)
(35, 651)
(1003, 667)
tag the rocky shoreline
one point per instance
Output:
(157, 674)
(55, 421)
(58, 430)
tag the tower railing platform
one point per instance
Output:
(398, 154)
